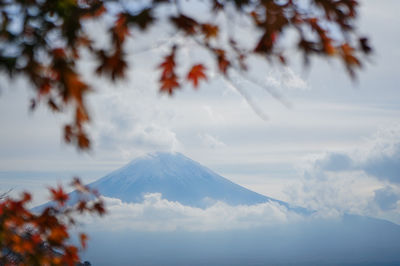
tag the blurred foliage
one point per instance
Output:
(29, 238)
(43, 40)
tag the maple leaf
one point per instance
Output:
(83, 238)
(209, 30)
(59, 195)
(142, 19)
(71, 255)
(266, 43)
(45, 88)
(185, 23)
(76, 182)
(168, 65)
(223, 63)
(99, 208)
(196, 73)
(120, 29)
(58, 235)
(75, 87)
(365, 45)
(113, 65)
(168, 79)
(169, 84)
(83, 141)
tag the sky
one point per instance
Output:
(331, 144)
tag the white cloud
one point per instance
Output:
(210, 141)
(364, 181)
(158, 214)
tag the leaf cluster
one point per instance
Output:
(28, 238)
(43, 40)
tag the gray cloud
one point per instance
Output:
(386, 167)
(335, 162)
(387, 198)
(361, 181)
(380, 158)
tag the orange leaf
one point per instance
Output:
(75, 87)
(223, 63)
(209, 30)
(83, 141)
(83, 238)
(196, 73)
(120, 29)
(45, 88)
(169, 84)
(59, 195)
(167, 66)
(71, 256)
(58, 235)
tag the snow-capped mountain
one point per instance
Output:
(177, 178)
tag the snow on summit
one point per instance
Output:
(177, 178)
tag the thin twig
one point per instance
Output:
(247, 98)
(274, 93)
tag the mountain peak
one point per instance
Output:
(160, 157)
(177, 178)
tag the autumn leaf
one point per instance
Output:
(168, 65)
(120, 30)
(59, 195)
(42, 238)
(83, 239)
(58, 235)
(114, 65)
(266, 43)
(44, 89)
(96, 11)
(68, 133)
(79, 186)
(196, 73)
(71, 257)
(185, 23)
(169, 81)
(169, 84)
(223, 62)
(99, 208)
(365, 47)
(75, 87)
(143, 19)
(83, 141)
(209, 30)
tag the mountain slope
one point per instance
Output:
(177, 178)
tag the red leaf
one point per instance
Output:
(169, 80)
(223, 63)
(83, 238)
(59, 195)
(185, 23)
(169, 84)
(196, 73)
(209, 30)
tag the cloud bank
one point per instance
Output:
(158, 214)
(364, 181)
